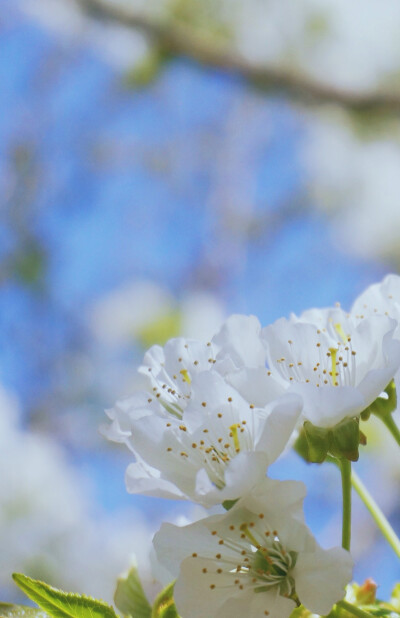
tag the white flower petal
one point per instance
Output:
(239, 340)
(256, 554)
(258, 386)
(210, 391)
(143, 479)
(283, 416)
(256, 605)
(383, 297)
(154, 357)
(325, 407)
(171, 369)
(337, 363)
(124, 412)
(160, 447)
(283, 495)
(197, 593)
(241, 474)
(175, 543)
(321, 577)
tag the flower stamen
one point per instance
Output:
(333, 352)
(234, 430)
(339, 329)
(185, 376)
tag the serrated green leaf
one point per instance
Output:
(8, 610)
(62, 604)
(130, 598)
(164, 606)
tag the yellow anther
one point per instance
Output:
(340, 332)
(234, 430)
(185, 375)
(333, 352)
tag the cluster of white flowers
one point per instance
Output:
(217, 414)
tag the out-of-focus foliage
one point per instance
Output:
(350, 158)
(50, 525)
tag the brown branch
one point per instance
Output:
(179, 40)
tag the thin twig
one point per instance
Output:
(182, 41)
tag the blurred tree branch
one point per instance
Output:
(180, 40)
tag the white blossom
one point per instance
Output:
(242, 360)
(170, 370)
(256, 560)
(216, 450)
(194, 434)
(339, 363)
(236, 352)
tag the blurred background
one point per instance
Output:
(164, 163)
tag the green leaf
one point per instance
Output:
(130, 598)
(164, 606)
(62, 604)
(8, 610)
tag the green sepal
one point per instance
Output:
(316, 444)
(346, 439)
(364, 597)
(382, 407)
(129, 596)
(228, 504)
(8, 610)
(301, 446)
(366, 593)
(313, 443)
(62, 604)
(164, 605)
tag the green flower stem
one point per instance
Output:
(376, 513)
(345, 469)
(387, 419)
(352, 609)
